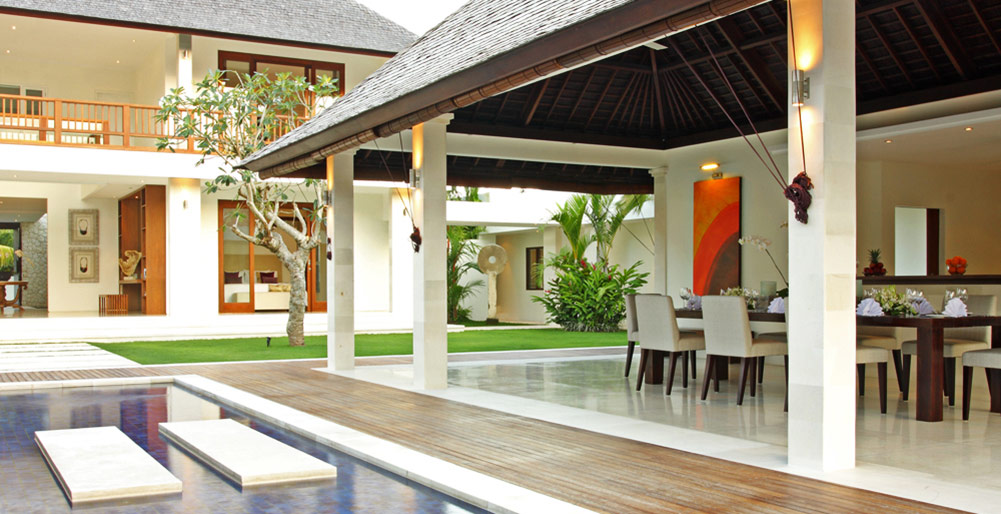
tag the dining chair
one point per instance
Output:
(659, 335)
(955, 343)
(884, 337)
(988, 359)
(872, 355)
(632, 331)
(728, 334)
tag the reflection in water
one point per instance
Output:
(26, 485)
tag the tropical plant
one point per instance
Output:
(459, 259)
(588, 297)
(7, 259)
(233, 123)
(606, 217)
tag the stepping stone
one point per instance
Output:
(243, 454)
(102, 463)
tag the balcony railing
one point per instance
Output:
(53, 121)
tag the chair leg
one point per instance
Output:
(639, 376)
(670, 373)
(745, 367)
(693, 365)
(785, 408)
(899, 369)
(967, 388)
(907, 377)
(707, 376)
(950, 379)
(761, 372)
(684, 369)
(860, 371)
(881, 374)
(629, 356)
(755, 364)
(717, 362)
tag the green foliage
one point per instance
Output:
(603, 213)
(894, 303)
(588, 297)
(7, 237)
(459, 259)
(7, 259)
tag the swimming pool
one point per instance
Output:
(26, 484)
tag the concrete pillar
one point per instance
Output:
(659, 281)
(184, 62)
(430, 330)
(822, 252)
(185, 271)
(341, 267)
(401, 256)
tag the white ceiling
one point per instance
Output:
(16, 210)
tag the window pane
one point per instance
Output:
(235, 69)
(533, 275)
(235, 259)
(273, 69)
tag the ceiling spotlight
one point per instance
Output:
(7, 51)
(968, 129)
(887, 141)
(117, 61)
(13, 27)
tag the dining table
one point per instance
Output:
(930, 337)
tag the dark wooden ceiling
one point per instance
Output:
(908, 52)
(506, 173)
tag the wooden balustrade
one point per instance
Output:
(119, 126)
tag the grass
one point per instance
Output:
(251, 349)
(471, 323)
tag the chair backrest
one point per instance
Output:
(978, 305)
(632, 328)
(728, 331)
(658, 328)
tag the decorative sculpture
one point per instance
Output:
(491, 260)
(129, 264)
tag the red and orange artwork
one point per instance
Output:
(717, 229)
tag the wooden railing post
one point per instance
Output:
(126, 125)
(57, 118)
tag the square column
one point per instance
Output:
(822, 252)
(185, 271)
(341, 266)
(659, 281)
(430, 303)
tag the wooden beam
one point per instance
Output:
(755, 64)
(983, 23)
(559, 93)
(601, 98)
(656, 91)
(872, 67)
(890, 50)
(618, 104)
(583, 91)
(950, 43)
(533, 103)
(917, 43)
(569, 135)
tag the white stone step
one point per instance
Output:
(243, 454)
(102, 463)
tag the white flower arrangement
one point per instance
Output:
(762, 244)
(750, 295)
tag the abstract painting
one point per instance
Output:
(717, 229)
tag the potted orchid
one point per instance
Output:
(762, 244)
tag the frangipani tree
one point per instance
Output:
(233, 123)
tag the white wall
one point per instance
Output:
(62, 295)
(372, 250)
(514, 300)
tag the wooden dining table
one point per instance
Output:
(930, 336)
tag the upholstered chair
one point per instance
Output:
(988, 359)
(728, 334)
(883, 337)
(956, 342)
(659, 335)
(872, 355)
(632, 331)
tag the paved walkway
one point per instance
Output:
(58, 356)
(595, 471)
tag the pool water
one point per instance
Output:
(27, 485)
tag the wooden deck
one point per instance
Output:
(598, 472)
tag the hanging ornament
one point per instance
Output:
(799, 194)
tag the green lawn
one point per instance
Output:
(250, 349)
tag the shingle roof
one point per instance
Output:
(479, 31)
(334, 23)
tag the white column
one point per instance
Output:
(822, 252)
(401, 287)
(341, 269)
(184, 62)
(659, 281)
(430, 330)
(185, 271)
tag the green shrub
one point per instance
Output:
(588, 297)
(7, 259)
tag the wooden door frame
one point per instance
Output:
(234, 307)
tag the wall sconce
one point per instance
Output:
(714, 168)
(800, 87)
(415, 178)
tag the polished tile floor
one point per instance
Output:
(963, 453)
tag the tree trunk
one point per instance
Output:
(297, 303)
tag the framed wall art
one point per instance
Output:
(716, 262)
(84, 227)
(84, 265)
